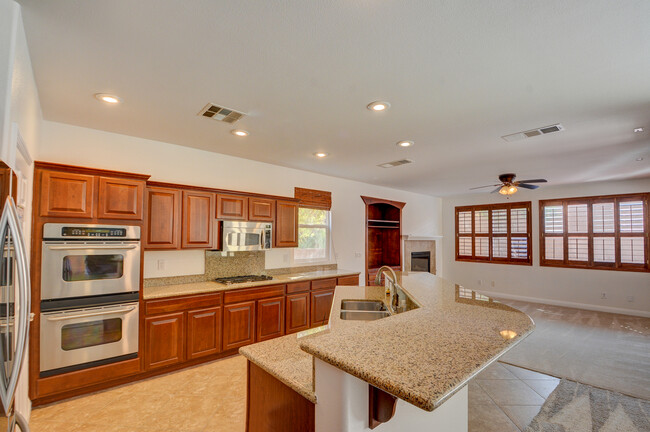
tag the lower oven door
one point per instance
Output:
(81, 338)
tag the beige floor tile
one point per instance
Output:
(524, 374)
(490, 418)
(543, 387)
(185, 413)
(510, 392)
(521, 415)
(495, 371)
(477, 395)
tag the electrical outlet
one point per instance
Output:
(603, 296)
(480, 282)
(160, 264)
(492, 284)
(630, 299)
(357, 254)
(285, 258)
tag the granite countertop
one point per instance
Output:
(422, 356)
(149, 293)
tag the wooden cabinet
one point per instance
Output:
(163, 218)
(203, 332)
(286, 224)
(233, 207)
(270, 318)
(164, 340)
(261, 209)
(297, 287)
(297, 312)
(120, 198)
(198, 208)
(328, 283)
(238, 325)
(67, 195)
(348, 280)
(321, 304)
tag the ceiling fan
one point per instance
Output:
(509, 186)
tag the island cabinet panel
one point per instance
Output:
(297, 312)
(321, 304)
(67, 195)
(198, 208)
(261, 209)
(270, 318)
(348, 280)
(203, 332)
(120, 198)
(319, 284)
(164, 340)
(233, 207)
(286, 224)
(238, 325)
(163, 216)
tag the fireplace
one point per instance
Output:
(421, 261)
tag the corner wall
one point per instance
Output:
(551, 285)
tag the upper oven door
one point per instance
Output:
(78, 269)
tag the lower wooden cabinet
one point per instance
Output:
(297, 312)
(203, 332)
(238, 325)
(164, 340)
(321, 303)
(270, 318)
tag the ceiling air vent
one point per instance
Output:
(533, 132)
(216, 112)
(395, 163)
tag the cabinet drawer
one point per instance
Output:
(323, 284)
(247, 294)
(298, 287)
(348, 280)
(174, 304)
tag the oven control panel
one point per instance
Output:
(57, 231)
(92, 232)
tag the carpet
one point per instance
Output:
(575, 407)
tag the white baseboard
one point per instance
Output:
(635, 312)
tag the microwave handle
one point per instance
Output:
(80, 247)
(90, 314)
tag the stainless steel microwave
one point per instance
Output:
(246, 236)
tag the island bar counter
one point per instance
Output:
(423, 356)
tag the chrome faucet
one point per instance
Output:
(391, 285)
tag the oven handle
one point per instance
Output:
(91, 314)
(92, 247)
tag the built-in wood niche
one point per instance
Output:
(383, 235)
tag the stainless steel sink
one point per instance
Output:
(363, 305)
(363, 315)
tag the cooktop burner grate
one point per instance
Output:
(240, 279)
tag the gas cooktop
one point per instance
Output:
(240, 279)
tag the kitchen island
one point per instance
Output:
(421, 359)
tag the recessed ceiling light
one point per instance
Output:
(639, 159)
(111, 99)
(320, 154)
(378, 106)
(239, 132)
(638, 129)
(405, 143)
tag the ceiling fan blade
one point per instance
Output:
(533, 181)
(481, 187)
(527, 186)
(497, 189)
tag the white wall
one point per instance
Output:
(171, 163)
(563, 286)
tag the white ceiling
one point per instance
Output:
(459, 75)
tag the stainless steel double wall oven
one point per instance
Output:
(90, 279)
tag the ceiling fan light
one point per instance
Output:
(507, 190)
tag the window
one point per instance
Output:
(604, 232)
(498, 233)
(313, 235)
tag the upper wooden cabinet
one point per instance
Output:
(234, 207)
(198, 208)
(261, 209)
(120, 198)
(163, 218)
(286, 224)
(67, 195)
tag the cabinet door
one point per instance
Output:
(270, 318)
(286, 224)
(164, 337)
(198, 208)
(120, 198)
(348, 280)
(297, 307)
(233, 207)
(321, 304)
(163, 218)
(203, 332)
(67, 195)
(261, 209)
(238, 325)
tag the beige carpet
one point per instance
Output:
(604, 350)
(575, 407)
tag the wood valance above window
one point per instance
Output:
(312, 198)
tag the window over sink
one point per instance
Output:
(314, 236)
